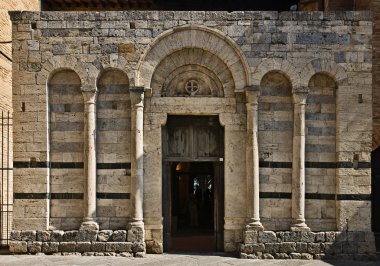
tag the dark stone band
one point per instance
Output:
(69, 165)
(60, 196)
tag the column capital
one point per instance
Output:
(252, 94)
(300, 94)
(89, 97)
(137, 96)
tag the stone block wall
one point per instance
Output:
(277, 53)
(307, 245)
(6, 182)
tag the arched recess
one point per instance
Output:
(192, 64)
(66, 124)
(320, 149)
(113, 149)
(335, 71)
(287, 69)
(193, 36)
(275, 138)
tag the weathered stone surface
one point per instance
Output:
(138, 247)
(306, 256)
(246, 248)
(250, 237)
(104, 235)
(119, 236)
(267, 256)
(70, 236)
(34, 247)
(29, 235)
(287, 247)
(119, 247)
(135, 234)
(83, 247)
(18, 247)
(43, 236)
(301, 247)
(86, 235)
(153, 247)
(267, 237)
(15, 235)
(296, 256)
(314, 248)
(320, 237)
(56, 236)
(98, 247)
(50, 247)
(281, 256)
(272, 248)
(67, 247)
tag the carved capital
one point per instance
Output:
(300, 94)
(252, 95)
(137, 96)
(89, 97)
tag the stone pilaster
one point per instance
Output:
(252, 95)
(136, 226)
(89, 220)
(298, 175)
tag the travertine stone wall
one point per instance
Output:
(66, 149)
(113, 148)
(6, 183)
(276, 147)
(328, 53)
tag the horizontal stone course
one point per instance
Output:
(305, 245)
(87, 243)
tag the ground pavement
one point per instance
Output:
(166, 259)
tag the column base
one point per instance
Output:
(136, 232)
(254, 226)
(299, 227)
(89, 226)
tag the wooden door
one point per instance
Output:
(193, 139)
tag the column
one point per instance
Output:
(298, 175)
(89, 220)
(136, 226)
(252, 95)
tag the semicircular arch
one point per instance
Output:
(194, 36)
(279, 65)
(328, 67)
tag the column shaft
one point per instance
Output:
(89, 221)
(136, 226)
(298, 174)
(253, 177)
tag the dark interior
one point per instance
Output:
(193, 198)
(375, 165)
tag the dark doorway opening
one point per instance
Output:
(193, 206)
(193, 184)
(375, 165)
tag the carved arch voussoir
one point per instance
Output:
(194, 36)
(332, 69)
(274, 64)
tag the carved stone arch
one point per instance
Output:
(194, 36)
(124, 77)
(192, 65)
(116, 61)
(332, 69)
(87, 72)
(280, 65)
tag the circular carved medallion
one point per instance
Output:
(192, 87)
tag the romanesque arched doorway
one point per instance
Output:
(193, 183)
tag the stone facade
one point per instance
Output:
(6, 181)
(293, 92)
